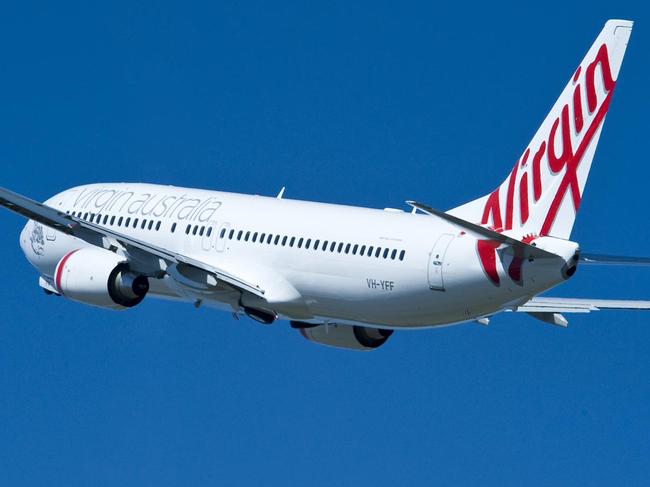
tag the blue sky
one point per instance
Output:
(349, 102)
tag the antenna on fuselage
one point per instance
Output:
(281, 193)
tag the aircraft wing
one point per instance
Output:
(102, 237)
(574, 305)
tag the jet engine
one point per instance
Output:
(344, 336)
(98, 277)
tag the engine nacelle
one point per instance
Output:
(344, 336)
(97, 277)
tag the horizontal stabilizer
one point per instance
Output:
(602, 259)
(525, 249)
(574, 305)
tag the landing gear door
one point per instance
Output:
(437, 260)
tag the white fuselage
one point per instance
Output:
(318, 262)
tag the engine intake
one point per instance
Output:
(126, 288)
(351, 337)
(97, 277)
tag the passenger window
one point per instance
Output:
(127, 222)
(393, 254)
(209, 231)
(277, 239)
(119, 222)
(370, 251)
(231, 234)
(201, 231)
(254, 237)
(135, 223)
(354, 249)
(150, 226)
(300, 240)
(222, 233)
(195, 229)
(362, 251)
(378, 252)
(105, 219)
(316, 244)
(340, 248)
(332, 246)
(239, 235)
(187, 229)
(113, 220)
(308, 243)
(284, 240)
(347, 249)
(385, 253)
(173, 227)
(158, 225)
(402, 254)
(144, 224)
(86, 216)
(292, 241)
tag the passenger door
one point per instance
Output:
(436, 262)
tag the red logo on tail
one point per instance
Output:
(561, 161)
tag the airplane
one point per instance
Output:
(343, 276)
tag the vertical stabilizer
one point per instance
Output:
(542, 193)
